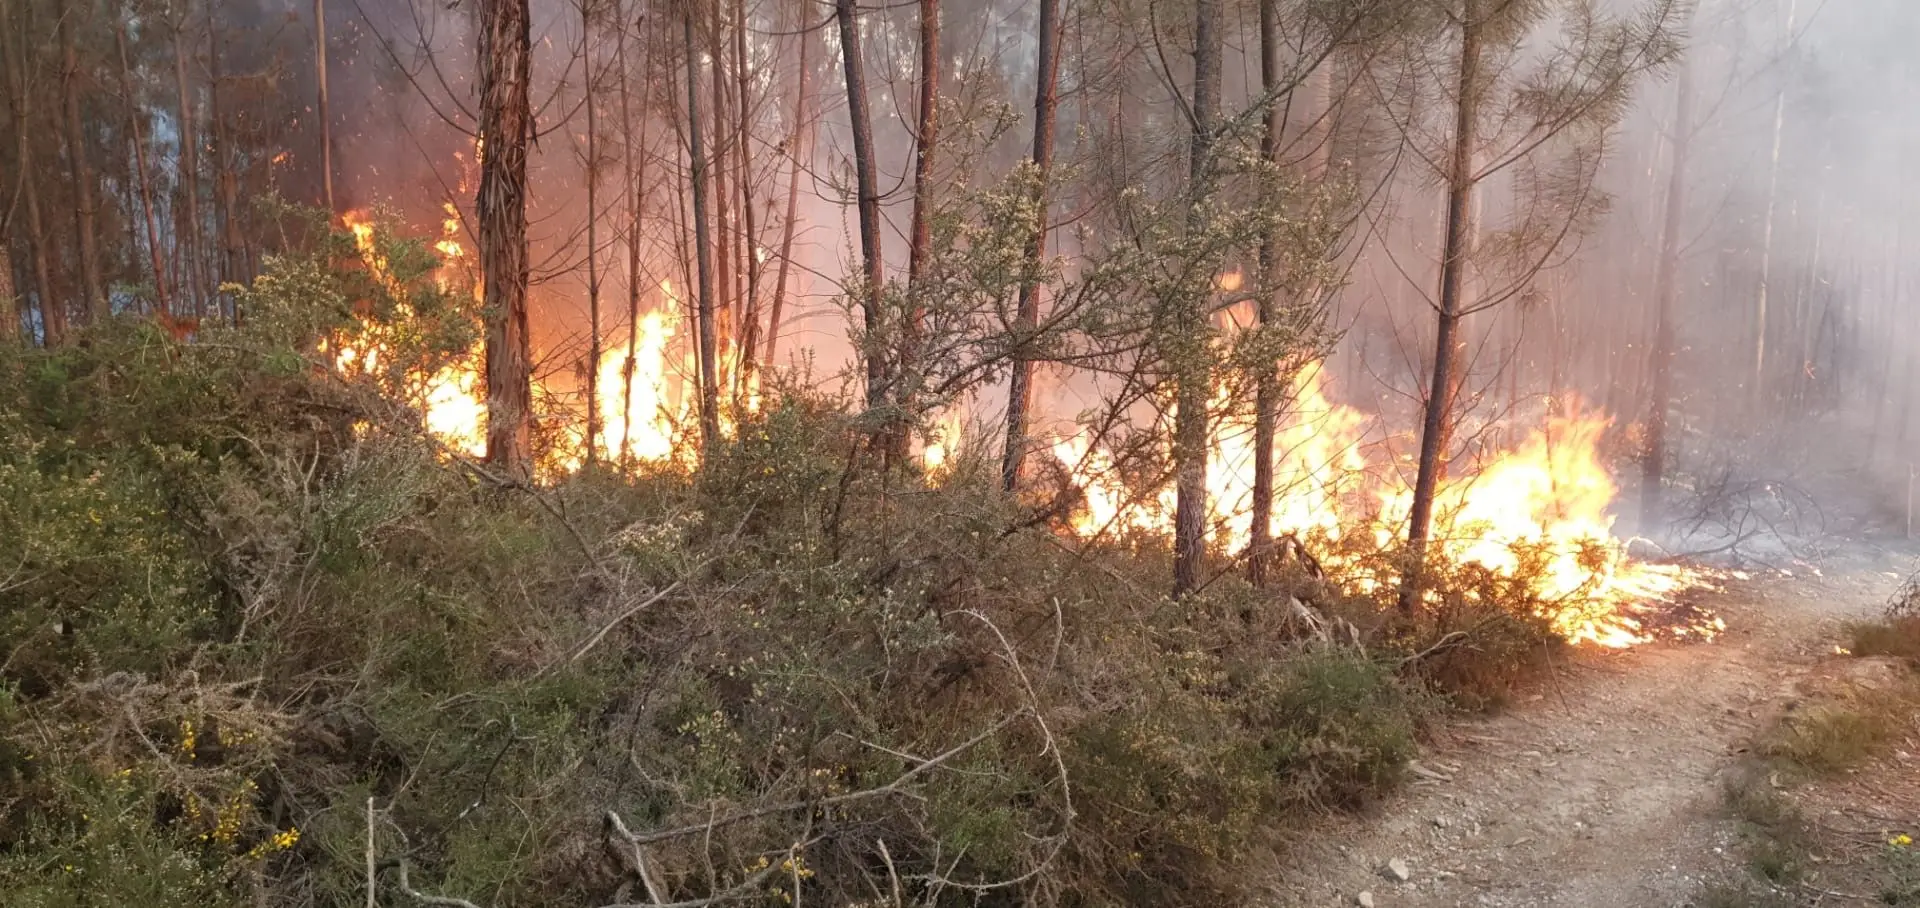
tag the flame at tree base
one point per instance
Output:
(1538, 513)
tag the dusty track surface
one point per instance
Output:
(1605, 787)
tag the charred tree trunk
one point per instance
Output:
(1665, 287)
(1193, 361)
(867, 189)
(1026, 314)
(800, 99)
(1453, 266)
(702, 248)
(86, 195)
(161, 295)
(501, 208)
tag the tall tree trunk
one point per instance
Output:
(1755, 392)
(867, 189)
(1026, 313)
(1453, 266)
(703, 249)
(1266, 395)
(720, 195)
(225, 180)
(800, 99)
(86, 195)
(16, 45)
(189, 167)
(593, 241)
(161, 295)
(1665, 286)
(1194, 366)
(326, 123)
(749, 228)
(505, 122)
(636, 194)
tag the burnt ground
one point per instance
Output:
(1605, 787)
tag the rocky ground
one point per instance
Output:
(1605, 788)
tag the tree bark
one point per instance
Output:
(703, 250)
(592, 445)
(161, 295)
(1266, 395)
(189, 182)
(86, 198)
(1665, 287)
(1026, 313)
(637, 195)
(501, 208)
(800, 99)
(16, 45)
(1453, 266)
(320, 112)
(1193, 361)
(225, 180)
(1755, 392)
(749, 228)
(867, 190)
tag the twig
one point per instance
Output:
(440, 901)
(607, 628)
(899, 782)
(373, 869)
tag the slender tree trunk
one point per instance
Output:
(189, 166)
(16, 45)
(1193, 366)
(1665, 287)
(162, 296)
(1453, 266)
(1026, 314)
(1755, 392)
(1267, 391)
(86, 194)
(326, 122)
(226, 182)
(749, 227)
(703, 250)
(867, 189)
(637, 196)
(800, 100)
(593, 242)
(506, 119)
(720, 195)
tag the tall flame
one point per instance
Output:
(1549, 495)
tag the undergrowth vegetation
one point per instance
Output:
(266, 643)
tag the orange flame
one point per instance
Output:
(1551, 494)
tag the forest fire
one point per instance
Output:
(1541, 508)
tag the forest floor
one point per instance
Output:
(1607, 785)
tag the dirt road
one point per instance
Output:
(1604, 788)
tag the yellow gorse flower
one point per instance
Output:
(1901, 841)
